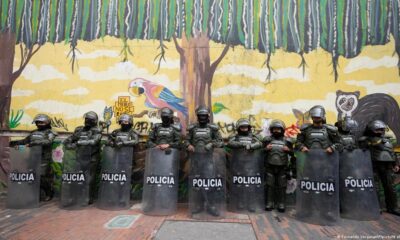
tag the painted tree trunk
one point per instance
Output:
(7, 52)
(196, 74)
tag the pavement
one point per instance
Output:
(50, 222)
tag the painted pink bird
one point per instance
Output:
(157, 96)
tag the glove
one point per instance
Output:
(119, 144)
(168, 151)
(82, 142)
(254, 146)
(248, 146)
(208, 147)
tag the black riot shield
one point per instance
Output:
(75, 178)
(207, 184)
(160, 184)
(317, 195)
(358, 198)
(115, 185)
(247, 181)
(24, 178)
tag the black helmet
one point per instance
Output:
(167, 112)
(125, 117)
(317, 111)
(91, 115)
(42, 118)
(277, 124)
(347, 124)
(202, 110)
(376, 124)
(243, 122)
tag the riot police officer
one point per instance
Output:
(43, 136)
(279, 154)
(383, 161)
(203, 135)
(245, 139)
(162, 160)
(318, 135)
(88, 135)
(165, 135)
(319, 144)
(125, 136)
(346, 128)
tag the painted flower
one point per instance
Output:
(292, 131)
(58, 154)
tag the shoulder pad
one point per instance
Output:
(78, 129)
(267, 139)
(213, 126)
(176, 127)
(331, 127)
(258, 137)
(305, 126)
(53, 132)
(96, 129)
(156, 125)
(191, 126)
(363, 138)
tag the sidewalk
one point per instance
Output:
(51, 222)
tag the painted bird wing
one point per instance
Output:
(169, 96)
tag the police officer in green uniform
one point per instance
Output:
(346, 128)
(88, 135)
(245, 139)
(279, 155)
(42, 136)
(318, 135)
(383, 161)
(124, 136)
(203, 135)
(165, 135)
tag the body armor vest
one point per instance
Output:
(123, 136)
(317, 138)
(164, 135)
(245, 139)
(38, 135)
(382, 151)
(202, 136)
(348, 141)
(276, 156)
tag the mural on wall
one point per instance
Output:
(342, 28)
(15, 119)
(123, 105)
(377, 106)
(258, 59)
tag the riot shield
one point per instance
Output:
(160, 184)
(317, 195)
(24, 178)
(75, 178)
(358, 198)
(115, 185)
(207, 184)
(247, 181)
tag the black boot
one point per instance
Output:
(270, 199)
(281, 199)
(213, 211)
(394, 211)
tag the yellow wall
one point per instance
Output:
(48, 85)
